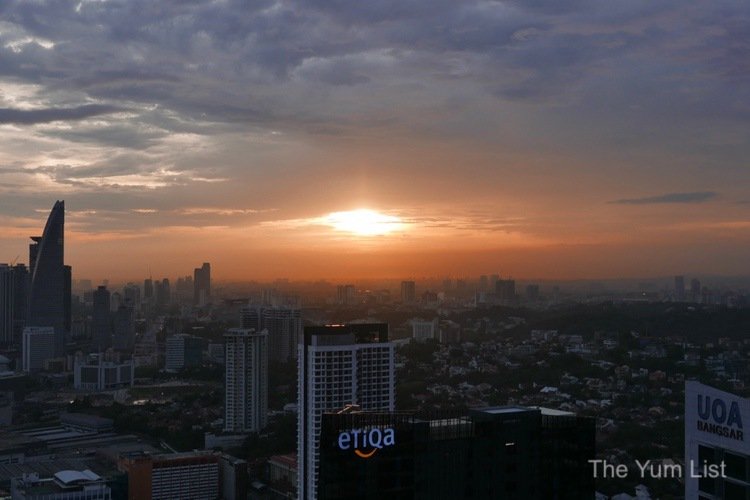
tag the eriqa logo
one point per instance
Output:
(366, 442)
(718, 417)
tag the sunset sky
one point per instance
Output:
(552, 139)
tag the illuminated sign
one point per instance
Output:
(366, 442)
(720, 417)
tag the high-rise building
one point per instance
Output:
(695, 290)
(345, 295)
(408, 292)
(38, 346)
(101, 323)
(7, 303)
(202, 284)
(47, 297)
(717, 453)
(183, 351)
(246, 380)
(162, 292)
(506, 291)
(124, 329)
(21, 299)
(508, 452)
(132, 296)
(148, 289)
(422, 330)
(679, 288)
(532, 293)
(339, 365)
(284, 326)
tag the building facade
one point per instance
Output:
(246, 380)
(717, 450)
(198, 475)
(49, 279)
(38, 345)
(95, 374)
(183, 351)
(284, 326)
(202, 285)
(339, 365)
(509, 452)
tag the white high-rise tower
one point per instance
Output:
(339, 365)
(246, 380)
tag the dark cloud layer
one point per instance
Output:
(34, 116)
(695, 197)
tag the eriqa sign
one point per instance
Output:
(366, 442)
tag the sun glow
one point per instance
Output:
(364, 222)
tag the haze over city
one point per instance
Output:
(550, 140)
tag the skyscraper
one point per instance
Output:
(47, 298)
(7, 304)
(408, 292)
(101, 324)
(679, 288)
(38, 346)
(246, 380)
(284, 326)
(339, 365)
(202, 284)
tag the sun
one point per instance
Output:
(364, 222)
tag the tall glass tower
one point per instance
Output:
(49, 278)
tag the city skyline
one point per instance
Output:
(557, 140)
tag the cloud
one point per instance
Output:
(35, 116)
(693, 197)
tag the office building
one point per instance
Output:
(50, 280)
(532, 293)
(132, 296)
(63, 485)
(183, 351)
(246, 380)
(202, 285)
(408, 292)
(38, 345)
(148, 289)
(695, 290)
(345, 295)
(124, 329)
(94, 373)
(7, 304)
(339, 365)
(204, 475)
(284, 326)
(422, 330)
(506, 291)
(679, 288)
(101, 324)
(715, 436)
(507, 452)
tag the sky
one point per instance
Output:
(557, 139)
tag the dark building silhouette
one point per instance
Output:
(148, 288)
(507, 452)
(7, 304)
(506, 291)
(124, 329)
(101, 324)
(408, 292)
(679, 288)
(284, 325)
(48, 303)
(202, 284)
